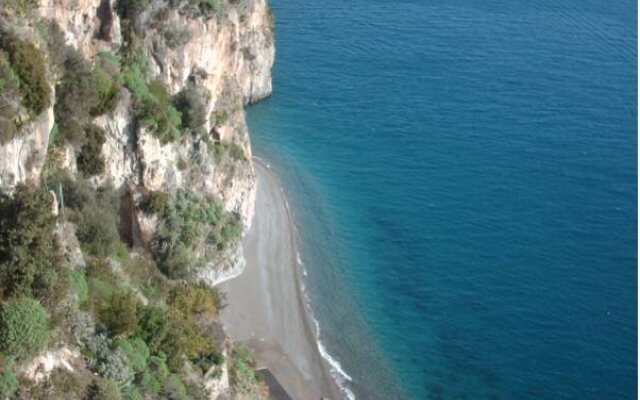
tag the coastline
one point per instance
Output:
(268, 308)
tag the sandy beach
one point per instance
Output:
(266, 309)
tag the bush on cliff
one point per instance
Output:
(90, 160)
(24, 328)
(9, 100)
(30, 260)
(21, 7)
(192, 221)
(28, 64)
(155, 203)
(153, 102)
(104, 389)
(192, 103)
(8, 384)
(195, 301)
(119, 314)
(85, 91)
(95, 212)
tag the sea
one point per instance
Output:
(463, 176)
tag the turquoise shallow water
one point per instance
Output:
(463, 174)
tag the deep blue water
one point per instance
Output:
(463, 174)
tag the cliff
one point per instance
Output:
(227, 55)
(135, 106)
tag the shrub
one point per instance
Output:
(8, 384)
(119, 314)
(90, 160)
(195, 301)
(153, 326)
(58, 50)
(151, 381)
(174, 389)
(24, 328)
(242, 372)
(223, 149)
(28, 64)
(30, 258)
(104, 389)
(137, 352)
(76, 96)
(9, 100)
(219, 118)
(61, 384)
(160, 115)
(175, 36)
(107, 361)
(144, 274)
(21, 7)
(190, 222)
(96, 215)
(155, 203)
(132, 393)
(192, 103)
(184, 340)
(107, 91)
(154, 103)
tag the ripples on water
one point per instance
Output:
(464, 178)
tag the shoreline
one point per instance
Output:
(268, 308)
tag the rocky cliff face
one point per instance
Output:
(130, 113)
(227, 53)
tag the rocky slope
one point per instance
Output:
(229, 55)
(172, 138)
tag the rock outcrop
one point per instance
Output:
(219, 52)
(228, 54)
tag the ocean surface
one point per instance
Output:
(463, 176)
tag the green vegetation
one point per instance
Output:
(137, 352)
(95, 212)
(30, 260)
(195, 301)
(242, 373)
(189, 219)
(208, 8)
(83, 92)
(223, 149)
(107, 90)
(153, 102)
(24, 327)
(155, 203)
(219, 118)
(104, 389)
(62, 384)
(143, 332)
(79, 285)
(27, 62)
(10, 99)
(21, 7)
(192, 104)
(90, 161)
(8, 384)
(119, 314)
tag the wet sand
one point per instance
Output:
(266, 309)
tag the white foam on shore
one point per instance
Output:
(304, 270)
(338, 373)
